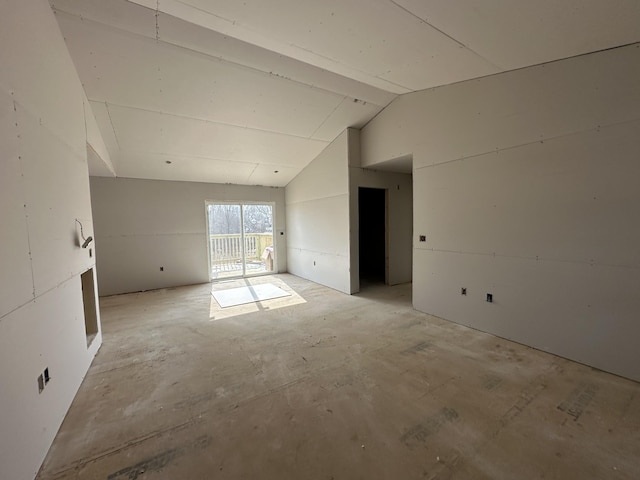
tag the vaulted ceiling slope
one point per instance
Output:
(249, 92)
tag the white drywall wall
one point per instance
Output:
(317, 209)
(526, 187)
(142, 225)
(399, 216)
(44, 188)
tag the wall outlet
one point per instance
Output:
(490, 297)
(43, 379)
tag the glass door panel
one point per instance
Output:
(258, 238)
(225, 240)
(240, 239)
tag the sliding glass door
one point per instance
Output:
(241, 241)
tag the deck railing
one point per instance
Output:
(226, 250)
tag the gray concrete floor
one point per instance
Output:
(322, 385)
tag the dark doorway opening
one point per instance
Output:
(372, 215)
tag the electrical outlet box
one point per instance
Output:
(463, 291)
(490, 297)
(423, 238)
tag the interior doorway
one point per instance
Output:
(240, 239)
(372, 219)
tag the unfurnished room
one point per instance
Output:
(275, 239)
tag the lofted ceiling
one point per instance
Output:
(249, 92)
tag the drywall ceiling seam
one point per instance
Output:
(115, 135)
(252, 172)
(393, 83)
(228, 61)
(311, 137)
(240, 32)
(442, 32)
(399, 89)
(212, 122)
(550, 62)
(201, 157)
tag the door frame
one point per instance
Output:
(386, 231)
(241, 203)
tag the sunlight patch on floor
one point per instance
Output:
(216, 312)
(232, 297)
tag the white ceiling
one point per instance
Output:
(250, 92)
